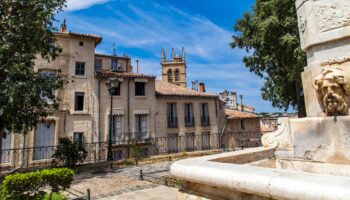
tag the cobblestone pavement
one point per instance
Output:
(121, 183)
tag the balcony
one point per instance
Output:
(172, 122)
(205, 121)
(189, 121)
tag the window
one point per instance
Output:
(79, 101)
(50, 74)
(177, 75)
(141, 126)
(81, 43)
(170, 76)
(78, 138)
(189, 119)
(43, 141)
(139, 89)
(80, 68)
(204, 114)
(115, 65)
(98, 64)
(172, 115)
(117, 90)
(6, 145)
(242, 124)
(117, 128)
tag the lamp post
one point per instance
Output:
(112, 85)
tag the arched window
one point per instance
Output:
(170, 76)
(177, 75)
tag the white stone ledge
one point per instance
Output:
(266, 182)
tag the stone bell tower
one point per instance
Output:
(174, 70)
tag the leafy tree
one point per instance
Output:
(135, 152)
(269, 33)
(25, 33)
(69, 152)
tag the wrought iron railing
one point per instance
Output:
(97, 152)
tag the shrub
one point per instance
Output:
(28, 186)
(69, 152)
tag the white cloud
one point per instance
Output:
(82, 4)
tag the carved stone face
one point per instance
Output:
(333, 92)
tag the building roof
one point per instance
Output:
(236, 114)
(97, 38)
(110, 73)
(164, 88)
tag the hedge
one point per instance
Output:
(30, 185)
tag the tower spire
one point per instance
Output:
(183, 54)
(172, 54)
(163, 56)
(63, 28)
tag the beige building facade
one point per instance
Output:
(142, 108)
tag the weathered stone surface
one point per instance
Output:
(324, 139)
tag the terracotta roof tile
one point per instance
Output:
(235, 114)
(109, 73)
(164, 88)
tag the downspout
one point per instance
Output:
(128, 107)
(99, 111)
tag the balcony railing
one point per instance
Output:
(172, 122)
(205, 121)
(189, 121)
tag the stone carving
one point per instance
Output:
(302, 23)
(333, 91)
(332, 14)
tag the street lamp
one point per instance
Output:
(112, 85)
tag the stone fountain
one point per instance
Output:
(307, 158)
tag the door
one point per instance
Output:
(205, 141)
(43, 141)
(189, 141)
(172, 143)
(6, 145)
(117, 128)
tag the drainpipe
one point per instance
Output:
(99, 111)
(129, 131)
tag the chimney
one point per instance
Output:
(137, 66)
(163, 56)
(196, 85)
(241, 97)
(201, 87)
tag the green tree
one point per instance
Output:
(269, 33)
(25, 33)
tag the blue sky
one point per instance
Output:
(140, 28)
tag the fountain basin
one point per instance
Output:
(257, 174)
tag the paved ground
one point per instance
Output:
(125, 184)
(159, 192)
